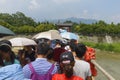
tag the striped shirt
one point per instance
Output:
(41, 66)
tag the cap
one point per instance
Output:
(66, 57)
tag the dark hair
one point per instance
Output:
(73, 41)
(1, 61)
(50, 54)
(72, 46)
(6, 42)
(21, 57)
(80, 50)
(43, 48)
(67, 68)
(7, 49)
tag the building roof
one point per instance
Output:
(64, 24)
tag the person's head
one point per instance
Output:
(42, 49)
(58, 43)
(73, 41)
(50, 54)
(6, 53)
(80, 50)
(22, 58)
(72, 47)
(28, 48)
(66, 63)
(5, 50)
(6, 42)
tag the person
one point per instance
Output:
(1, 61)
(41, 66)
(13, 71)
(6, 41)
(90, 55)
(21, 57)
(49, 55)
(29, 53)
(70, 43)
(7, 56)
(81, 68)
(66, 63)
(59, 49)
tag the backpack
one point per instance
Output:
(35, 76)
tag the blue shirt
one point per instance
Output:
(12, 72)
(41, 66)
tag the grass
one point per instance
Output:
(113, 47)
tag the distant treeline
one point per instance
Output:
(20, 23)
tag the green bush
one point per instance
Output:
(115, 47)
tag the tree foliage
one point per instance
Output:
(17, 19)
(99, 28)
(20, 23)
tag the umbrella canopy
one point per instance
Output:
(69, 35)
(22, 41)
(51, 34)
(5, 31)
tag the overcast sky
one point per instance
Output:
(107, 10)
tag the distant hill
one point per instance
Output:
(76, 20)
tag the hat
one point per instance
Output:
(6, 42)
(66, 57)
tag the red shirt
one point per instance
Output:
(63, 77)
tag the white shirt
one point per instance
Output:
(82, 69)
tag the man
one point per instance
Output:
(40, 65)
(81, 68)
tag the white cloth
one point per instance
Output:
(82, 69)
(67, 48)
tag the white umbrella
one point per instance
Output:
(51, 34)
(22, 41)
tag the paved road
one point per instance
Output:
(110, 62)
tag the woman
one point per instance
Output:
(66, 65)
(6, 55)
(13, 71)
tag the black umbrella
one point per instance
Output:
(5, 32)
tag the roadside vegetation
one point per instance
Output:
(21, 24)
(112, 47)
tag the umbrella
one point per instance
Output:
(51, 34)
(69, 35)
(22, 41)
(5, 31)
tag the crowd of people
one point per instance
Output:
(48, 60)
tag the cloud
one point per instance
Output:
(33, 5)
(85, 12)
(3, 1)
(64, 1)
(115, 18)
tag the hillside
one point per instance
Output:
(73, 19)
